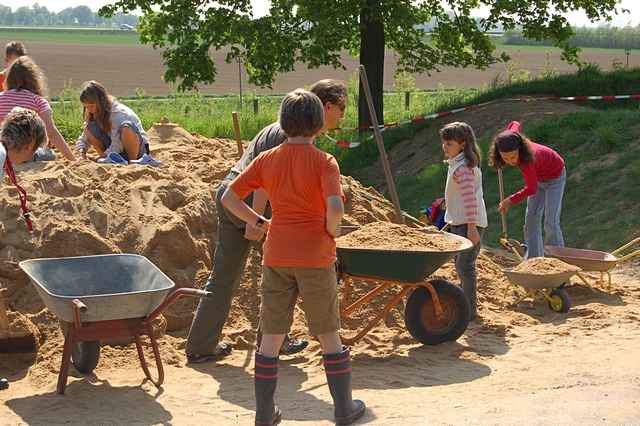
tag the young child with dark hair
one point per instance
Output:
(544, 175)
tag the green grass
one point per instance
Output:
(211, 117)
(602, 154)
(69, 35)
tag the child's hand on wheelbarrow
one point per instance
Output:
(253, 233)
(504, 205)
(256, 232)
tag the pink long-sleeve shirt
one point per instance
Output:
(546, 165)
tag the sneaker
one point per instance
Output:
(113, 158)
(44, 154)
(293, 346)
(222, 350)
(146, 160)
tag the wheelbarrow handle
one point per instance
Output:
(181, 292)
(78, 308)
(622, 248)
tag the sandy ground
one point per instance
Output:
(124, 68)
(520, 363)
(580, 368)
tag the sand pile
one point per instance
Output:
(167, 214)
(545, 266)
(391, 236)
(164, 213)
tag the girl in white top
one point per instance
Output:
(110, 126)
(465, 209)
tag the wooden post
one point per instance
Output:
(255, 106)
(383, 153)
(407, 100)
(236, 129)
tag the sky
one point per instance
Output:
(261, 8)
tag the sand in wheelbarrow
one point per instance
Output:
(391, 236)
(545, 266)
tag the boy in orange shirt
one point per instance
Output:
(303, 187)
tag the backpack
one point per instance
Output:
(435, 213)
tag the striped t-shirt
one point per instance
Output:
(463, 194)
(10, 99)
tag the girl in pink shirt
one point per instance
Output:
(545, 176)
(25, 87)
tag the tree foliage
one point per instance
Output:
(316, 32)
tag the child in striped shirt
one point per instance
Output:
(466, 214)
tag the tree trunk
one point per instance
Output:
(372, 57)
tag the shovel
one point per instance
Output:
(509, 244)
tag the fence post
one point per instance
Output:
(407, 100)
(255, 106)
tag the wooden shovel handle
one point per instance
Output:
(503, 215)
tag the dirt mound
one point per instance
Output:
(167, 214)
(410, 157)
(164, 213)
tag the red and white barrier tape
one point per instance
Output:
(423, 118)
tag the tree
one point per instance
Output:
(22, 16)
(6, 15)
(317, 32)
(83, 15)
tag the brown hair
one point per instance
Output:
(329, 90)
(23, 128)
(301, 113)
(25, 74)
(509, 141)
(15, 48)
(462, 132)
(95, 93)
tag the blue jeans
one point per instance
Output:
(105, 138)
(548, 202)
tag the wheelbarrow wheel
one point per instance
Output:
(423, 324)
(559, 301)
(85, 356)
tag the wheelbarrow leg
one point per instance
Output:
(69, 341)
(156, 355)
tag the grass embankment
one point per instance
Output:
(601, 204)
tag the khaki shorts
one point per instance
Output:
(318, 288)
